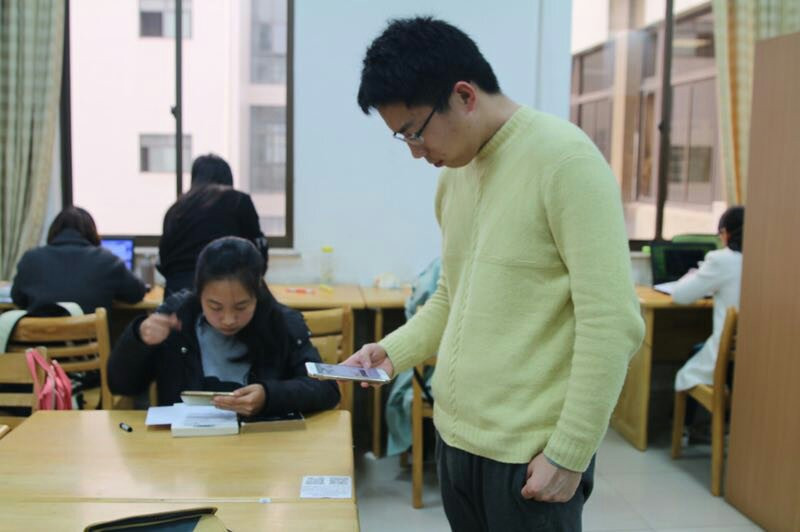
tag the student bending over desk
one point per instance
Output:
(229, 335)
(73, 267)
(720, 274)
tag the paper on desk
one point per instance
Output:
(179, 412)
(161, 415)
(326, 487)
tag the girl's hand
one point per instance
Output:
(157, 327)
(246, 401)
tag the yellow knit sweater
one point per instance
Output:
(535, 316)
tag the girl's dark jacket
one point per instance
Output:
(277, 360)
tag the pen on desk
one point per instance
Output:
(124, 426)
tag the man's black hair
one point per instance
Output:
(416, 61)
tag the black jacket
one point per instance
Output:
(72, 269)
(176, 363)
(202, 215)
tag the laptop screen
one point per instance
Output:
(122, 248)
(670, 261)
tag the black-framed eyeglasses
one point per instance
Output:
(415, 139)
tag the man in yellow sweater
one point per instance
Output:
(535, 316)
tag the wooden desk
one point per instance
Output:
(73, 456)
(670, 332)
(311, 296)
(378, 299)
(151, 301)
(282, 516)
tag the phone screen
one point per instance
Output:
(352, 372)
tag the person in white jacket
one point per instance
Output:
(719, 275)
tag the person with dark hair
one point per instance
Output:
(229, 334)
(720, 274)
(73, 267)
(535, 316)
(211, 209)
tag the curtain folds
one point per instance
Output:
(31, 44)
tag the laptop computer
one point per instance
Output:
(121, 247)
(670, 261)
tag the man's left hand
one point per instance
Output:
(549, 483)
(246, 401)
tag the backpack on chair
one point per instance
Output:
(55, 393)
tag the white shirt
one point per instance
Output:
(720, 274)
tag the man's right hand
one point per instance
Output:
(371, 356)
(157, 327)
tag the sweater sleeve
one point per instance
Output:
(696, 285)
(419, 338)
(131, 366)
(298, 391)
(130, 288)
(584, 212)
(19, 295)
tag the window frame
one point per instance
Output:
(140, 240)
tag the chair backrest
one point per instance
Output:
(14, 373)
(694, 238)
(725, 354)
(331, 333)
(79, 343)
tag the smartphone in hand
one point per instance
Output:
(346, 373)
(200, 397)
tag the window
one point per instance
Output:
(592, 83)
(268, 42)
(157, 18)
(694, 131)
(122, 130)
(268, 165)
(157, 153)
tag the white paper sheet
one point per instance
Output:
(326, 487)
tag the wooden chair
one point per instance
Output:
(420, 408)
(332, 335)
(4, 430)
(715, 398)
(79, 343)
(14, 371)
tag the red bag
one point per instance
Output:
(56, 391)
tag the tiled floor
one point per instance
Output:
(633, 491)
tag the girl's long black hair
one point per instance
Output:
(732, 221)
(234, 258)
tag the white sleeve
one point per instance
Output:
(706, 280)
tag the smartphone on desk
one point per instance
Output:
(200, 397)
(346, 373)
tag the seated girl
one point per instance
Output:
(73, 267)
(720, 274)
(230, 334)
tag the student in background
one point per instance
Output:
(73, 267)
(720, 275)
(535, 315)
(230, 334)
(211, 209)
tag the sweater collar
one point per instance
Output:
(69, 237)
(518, 121)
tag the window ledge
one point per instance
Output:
(289, 253)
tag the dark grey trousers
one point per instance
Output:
(480, 494)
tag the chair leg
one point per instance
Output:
(416, 451)
(678, 418)
(404, 459)
(717, 451)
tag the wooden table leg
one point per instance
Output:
(630, 416)
(377, 394)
